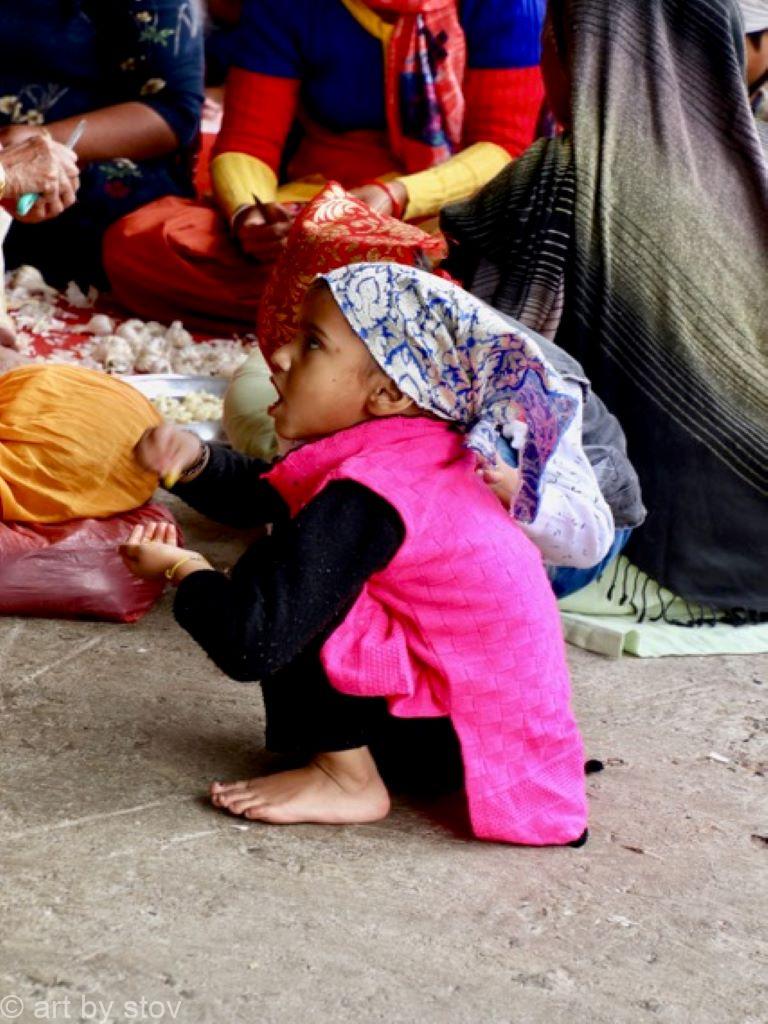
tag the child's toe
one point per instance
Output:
(239, 805)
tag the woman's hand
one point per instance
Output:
(262, 232)
(152, 550)
(35, 163)
(167, 450)
(379, 198)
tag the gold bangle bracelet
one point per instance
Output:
(170, 573)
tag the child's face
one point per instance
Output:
(326, 378)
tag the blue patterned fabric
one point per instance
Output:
(455, 357)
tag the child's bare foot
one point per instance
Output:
(340, 788)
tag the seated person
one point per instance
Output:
(327, 89)
(658, 292)
(133, 69)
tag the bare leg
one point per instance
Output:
(339, 788)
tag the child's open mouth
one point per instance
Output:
(275, 405)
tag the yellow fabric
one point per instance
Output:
(66, 444)
(458, 178)
(370, 20)
(300, 191)
(428, 191)
(237, 177)
(248, 425)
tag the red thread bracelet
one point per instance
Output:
(398, 208)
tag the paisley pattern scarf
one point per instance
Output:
(456, 358)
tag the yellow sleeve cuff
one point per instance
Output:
(237, 177)
(458, 178)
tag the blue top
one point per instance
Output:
(341, 65)
(61, 58)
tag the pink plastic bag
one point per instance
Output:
(73, 570)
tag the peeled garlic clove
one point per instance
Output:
(115, 354)
(177, 336)
(132, 337)
(31, 280)
(76, 297)
(131, 327)
(100, 324)
(151, 363)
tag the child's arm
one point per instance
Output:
(231, 489)
(290, 588)
(222, 484)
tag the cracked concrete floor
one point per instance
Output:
(124, 896)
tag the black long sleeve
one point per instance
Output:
(289, 588)
(231, 490)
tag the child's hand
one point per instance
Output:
(167, 450)
(151, 550)
(502, 479)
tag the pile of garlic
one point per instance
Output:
(196, 407)
(130, 347)
(139, 347)
(32, 304)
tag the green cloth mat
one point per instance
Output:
(596, 623)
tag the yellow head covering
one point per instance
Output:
(66, 444)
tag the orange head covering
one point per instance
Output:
(66, 444)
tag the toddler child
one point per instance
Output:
(393, 579)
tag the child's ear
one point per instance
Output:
(386, 399)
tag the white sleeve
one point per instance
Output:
(574, 525)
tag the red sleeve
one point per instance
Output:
(503, 106)
(258, 113)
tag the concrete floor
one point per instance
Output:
(124, 896)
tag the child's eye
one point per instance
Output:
(312, 343)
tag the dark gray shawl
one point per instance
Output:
(649, 229)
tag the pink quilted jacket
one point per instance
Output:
(462, 622)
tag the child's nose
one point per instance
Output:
(282, 357)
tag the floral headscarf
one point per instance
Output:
(455, 357)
